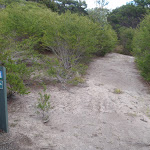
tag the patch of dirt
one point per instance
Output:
(91, 116)
(7, 142)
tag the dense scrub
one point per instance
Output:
(98, 15)
(141, 47)
(126, 37)
(107, 40)
(128, 15)
(125, 19)
(28, 29)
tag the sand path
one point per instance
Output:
(92, 116)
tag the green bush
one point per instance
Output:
(72, 38)
(107, 40)
(75, 33)
(126, 38)
(16, 73)
(141, 47)
(43, 104)
(23, 19)
(18, 39)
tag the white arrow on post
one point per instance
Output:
(0, 74)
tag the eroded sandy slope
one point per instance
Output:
(91, 116)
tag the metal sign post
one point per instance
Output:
(3, 101)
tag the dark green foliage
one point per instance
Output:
(142, 3)
(127, 15)
(102, 3)
(141, 47)
(144, 66)
(49, 3)
(74, 6)
(126, 37)
(125, 18)
(61, 6)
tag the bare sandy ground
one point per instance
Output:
(91, 116)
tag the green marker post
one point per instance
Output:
(3, 101)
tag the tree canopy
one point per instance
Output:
(98, 15)
(128, 15)
(61, 6)
(142, 3)
(73, 5)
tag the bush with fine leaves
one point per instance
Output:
(141, 47)
(126, 37)
(107, 40)
(16, 73)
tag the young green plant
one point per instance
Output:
(43, 103)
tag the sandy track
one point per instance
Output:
(91, 116)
